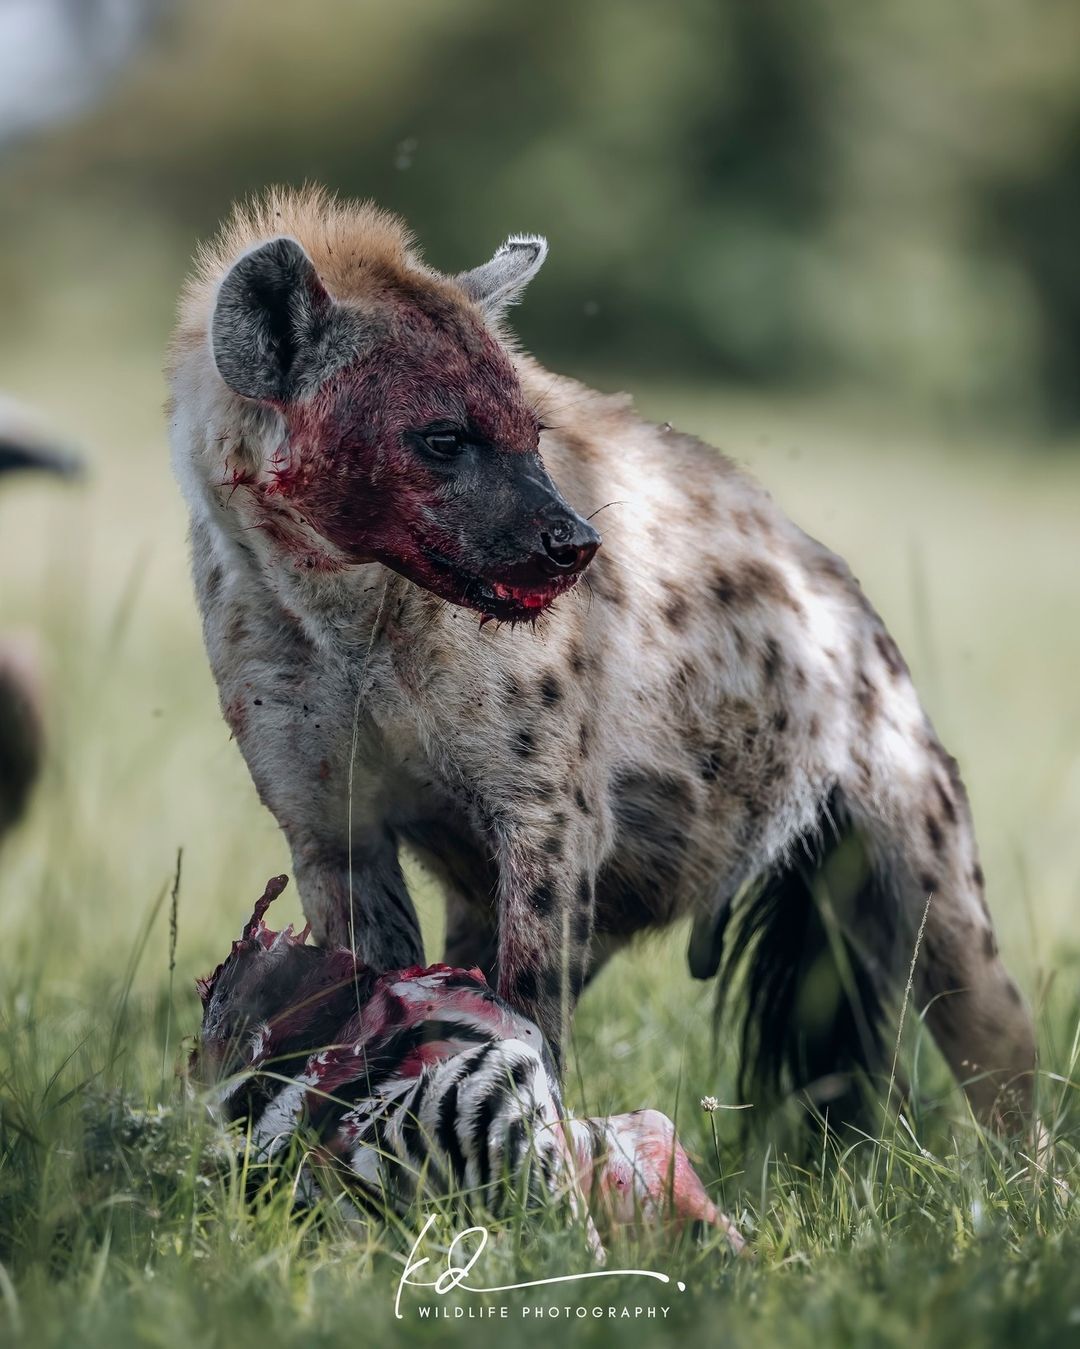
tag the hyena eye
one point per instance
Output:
(444, 441)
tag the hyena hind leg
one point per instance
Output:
(974, 1009)
(920, 830)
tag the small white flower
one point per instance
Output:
(709, 1104)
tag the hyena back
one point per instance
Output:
(714, 711)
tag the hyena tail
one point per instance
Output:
(807, 953)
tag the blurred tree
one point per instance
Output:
(825, 193)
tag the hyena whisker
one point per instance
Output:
(604, 508)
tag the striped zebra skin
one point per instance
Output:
(419, 1082)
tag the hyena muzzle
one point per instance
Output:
(704, 717)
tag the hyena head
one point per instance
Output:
(408, 439)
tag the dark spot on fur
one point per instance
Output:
(951, 767)
(934, 832)
(890, 654)
(927, 884)
(772, 661)
(947, 804)
(526, 986)
(714, 762)
(584, 739)
(553, 980)
(581, 924)
(550, 690)
(584, 889)
(813, 728)
(723, 588)
(780, 720)
(827, 566)
(687, 675)
(978, 879)
(990, 946)
(754, 582)
(866, 696)
(553, 845)
(523, 743)
(542, 898)
(644, 796)
(761, 582)
(580, 802)
(676, 608)
(213, 581)
(579, 662)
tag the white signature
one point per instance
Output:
(455, 1274)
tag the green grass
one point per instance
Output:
(118, 1221)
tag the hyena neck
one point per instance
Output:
(230, 460)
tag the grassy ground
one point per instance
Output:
(116, 1227)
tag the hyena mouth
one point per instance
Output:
(504, 601)
(514, 604)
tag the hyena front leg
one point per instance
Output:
(285, 706)
(547, 901)
(360, 901)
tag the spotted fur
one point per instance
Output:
(667, 735)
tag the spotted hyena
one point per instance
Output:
(702, 717)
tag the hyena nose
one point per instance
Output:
(569, 544)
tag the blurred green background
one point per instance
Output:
(810, 193)
(836, 239)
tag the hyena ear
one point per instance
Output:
(497, 284)
(276, 332)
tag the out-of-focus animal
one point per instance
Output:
(58, 58)
(22, 737)
(421, 1081)
(718, 725)
(24, 447)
